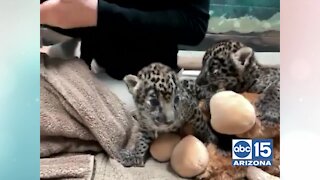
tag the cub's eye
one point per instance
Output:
(154, 102)
(176, 100)
(215, 72)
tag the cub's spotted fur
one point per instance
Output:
(164, 104)
(230, 65)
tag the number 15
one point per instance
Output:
(260, 150)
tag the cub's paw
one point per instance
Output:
(270, 117)
(129, 159)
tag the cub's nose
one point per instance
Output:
(162, 118)
(169, 120)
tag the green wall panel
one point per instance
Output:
(244, 16)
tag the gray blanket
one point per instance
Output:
(78, 114)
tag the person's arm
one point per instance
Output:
(74, 18)
(185, 25)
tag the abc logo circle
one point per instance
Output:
(242, 149)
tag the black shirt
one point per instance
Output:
(131, 34)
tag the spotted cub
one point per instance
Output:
(230, 65)
(163, 105)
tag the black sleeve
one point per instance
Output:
(74, 32)
(186, 24)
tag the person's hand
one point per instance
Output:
(69, 13)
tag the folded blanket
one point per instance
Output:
(109, 169)
(67, 167)
(78, 113)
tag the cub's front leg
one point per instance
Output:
(137, 156)
(268, 106)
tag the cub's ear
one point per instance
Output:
(132, 82)
(242, 57)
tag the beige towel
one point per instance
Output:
(67, 167)
(78, 113)
(109, 169)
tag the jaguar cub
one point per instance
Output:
(163, 105)
(231, 65)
